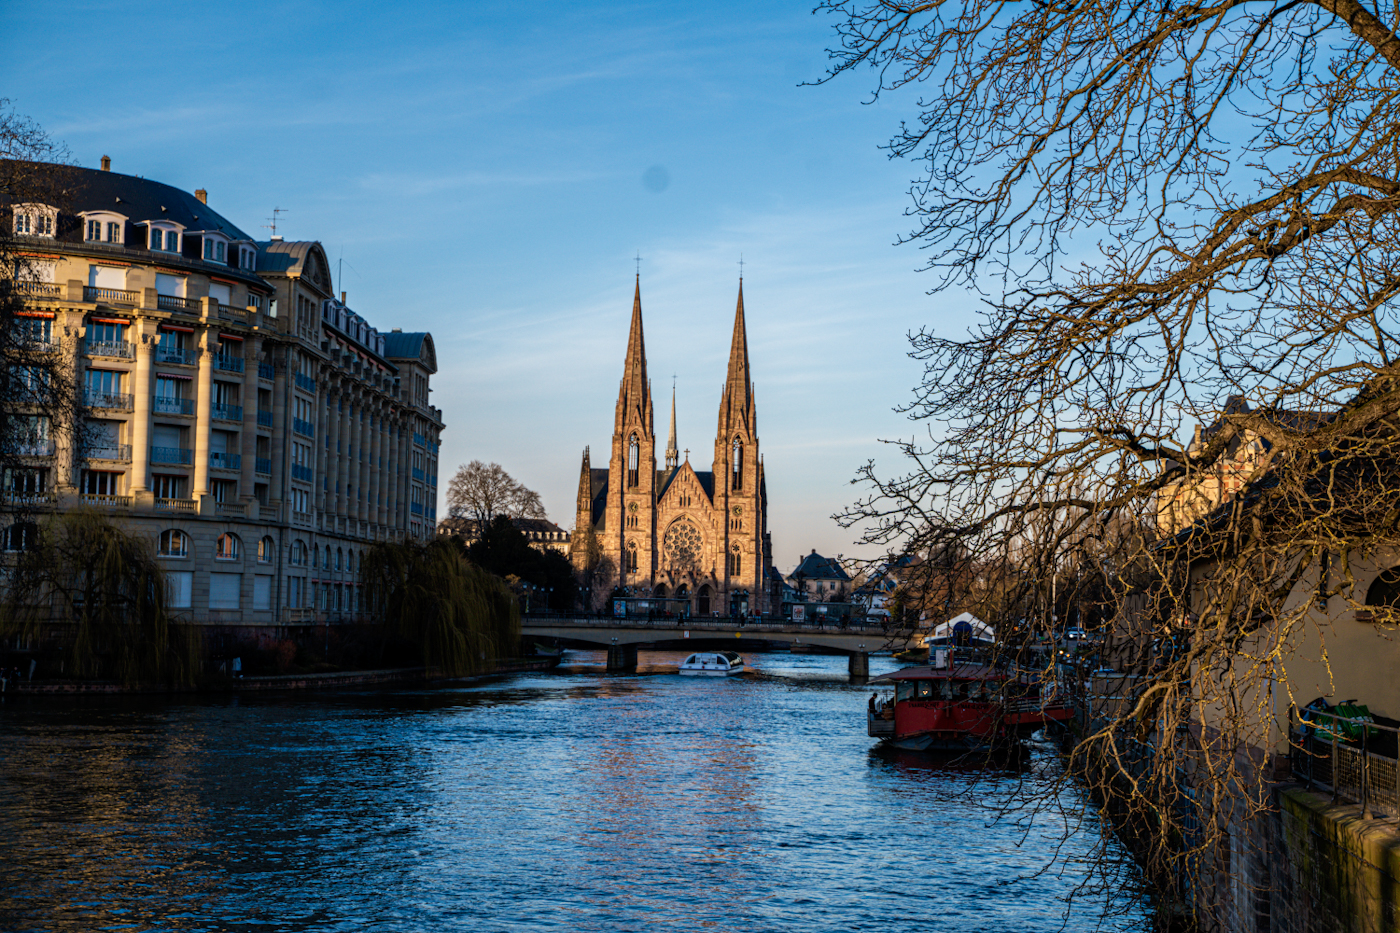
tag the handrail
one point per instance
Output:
(1344, 754)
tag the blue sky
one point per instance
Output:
(488, 172)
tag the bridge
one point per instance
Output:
(622, 637)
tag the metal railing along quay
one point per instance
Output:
(1352, 758)
(706, 623)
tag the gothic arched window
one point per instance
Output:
(633, 454)
(632, 557)
(738, 482)
(736, 561)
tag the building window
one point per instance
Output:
(21, 536)
(168, 487)
(106, 333)
(738, 465)
(26, 482)
(298, 554)
(99, 483)
(224, 490)
(94, 230)
(266, 549)
(633, 455)
(736, 562)
(167, 241)
(174, 543)
(226, 548)
(215, 250)
(24, 223)
(631, 557)
(114, 232)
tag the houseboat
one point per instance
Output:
(712, 664)
(961, 707)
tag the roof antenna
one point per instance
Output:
(272, 221)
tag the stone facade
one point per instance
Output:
(678, 532)
(260, 433)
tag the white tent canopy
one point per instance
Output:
(980, 631)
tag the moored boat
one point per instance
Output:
(712, 664)
(962, 707)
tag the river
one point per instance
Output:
(568, 801)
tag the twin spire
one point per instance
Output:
(634, 397)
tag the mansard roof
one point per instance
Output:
(305, 259)
(140, 199)
(816, 567)
(415, 346)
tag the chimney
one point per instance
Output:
(276, 239)
(106, 163)
(342, 298)
(202, 195)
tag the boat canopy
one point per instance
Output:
(961, 672)
(962, 629)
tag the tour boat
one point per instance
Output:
(962, 707)
(712, 664)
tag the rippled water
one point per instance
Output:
(566, 801)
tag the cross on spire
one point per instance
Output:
(639, 262)
(741, 265)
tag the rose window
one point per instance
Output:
(683, 544)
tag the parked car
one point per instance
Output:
(1076, 634)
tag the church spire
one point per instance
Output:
(634, 395)
(673, 455)
(736, 407)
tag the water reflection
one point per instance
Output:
(573, 801)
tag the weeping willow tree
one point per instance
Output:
(462, 617)
(100, 590)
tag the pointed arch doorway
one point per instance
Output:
(702, 601)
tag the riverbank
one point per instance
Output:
(335, 680)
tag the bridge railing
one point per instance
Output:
(715, 623)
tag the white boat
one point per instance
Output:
(712, 664)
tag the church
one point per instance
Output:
(697, 536)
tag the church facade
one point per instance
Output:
(700, 536)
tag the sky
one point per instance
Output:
(489, 172)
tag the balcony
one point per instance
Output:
(304, 428)
(301, 472)
(301, 518)
(111, 296)
(418, 473)
(177, 304)
(175, 505)
(165, 405)
(119, 349)
(263, 466)
(232, 364)
(230, 313)
(178, 355)
(419, 439)
(34, 449)
(105, 502)
(417, 508)
(182, 456)
(264, 419)
(118, 452)
(270, 513)
(119, 400)
(39, 289)
(306, 383)
(218, 461)
(225, 412)
(267, 371)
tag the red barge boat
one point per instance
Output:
(963, 707)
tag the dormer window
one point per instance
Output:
(247, 258)
(165, 238)
(104, 227)
(215, 249)
(35, 220)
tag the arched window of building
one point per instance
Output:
(634, 452)
(298, 555)
(738, 472)
(226, 548)
(736, 561)
(1385, 589)
(631, 557)
(339, 558)
(173, 543)
(266, 549)
(315, 555)
(21, 536)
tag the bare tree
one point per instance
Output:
(1174, 214)
(481, 491)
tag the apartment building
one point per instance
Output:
(233, 409)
